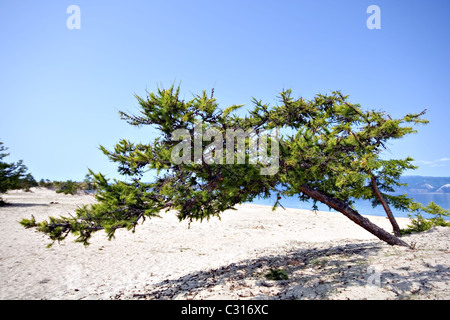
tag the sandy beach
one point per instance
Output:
(325, 256)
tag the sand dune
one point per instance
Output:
(325, 256)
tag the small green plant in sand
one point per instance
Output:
(420, 224)
(319, 262)
(277, 274)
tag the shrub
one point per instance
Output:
(420, 224)
(277, 274)
(46, 184)
(68, 187)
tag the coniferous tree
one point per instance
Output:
(13, 175)
(329, 152)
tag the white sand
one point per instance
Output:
(325, 255)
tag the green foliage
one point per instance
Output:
(329, 146)
(277, 274)
(88, 183)
(27, 182)
(420, 224)
(13, 175)
(67, 187)
(45, 184)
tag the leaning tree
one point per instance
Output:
(207, 160)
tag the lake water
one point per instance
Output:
(364, 207)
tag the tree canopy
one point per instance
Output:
(13, 175)
(326, 149)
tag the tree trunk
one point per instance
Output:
(386, 207)
(346, 210)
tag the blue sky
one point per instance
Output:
(60, 89)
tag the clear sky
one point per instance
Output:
(61, 89)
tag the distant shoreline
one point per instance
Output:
(433, 193)
(364, 207)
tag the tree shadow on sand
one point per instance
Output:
(24, 205)
(313, 273)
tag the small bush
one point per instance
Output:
(68, 187)
(277, 274)
(46, 184)
(420, 224)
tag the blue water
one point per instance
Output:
(363, 207)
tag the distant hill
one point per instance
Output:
(419, 184)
